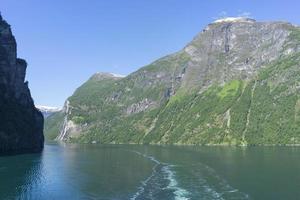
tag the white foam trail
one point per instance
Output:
(180, 193)
(203, 175)
(141, 189)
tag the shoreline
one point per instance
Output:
(178, 145)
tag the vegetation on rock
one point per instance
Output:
(236, 83)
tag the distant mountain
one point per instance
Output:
(21, 124)
(237, 83)
(47, 110)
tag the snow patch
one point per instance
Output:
(111, 74)
(234, 19)
(48, 108)
(118, 75)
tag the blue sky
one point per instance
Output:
(65, 42)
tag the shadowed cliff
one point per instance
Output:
(21, 124)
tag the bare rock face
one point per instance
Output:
(233, 48)
(21, 124)
(140, 106)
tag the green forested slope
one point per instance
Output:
(204, 94)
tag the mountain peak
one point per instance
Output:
(117, 75)
(107, 75)
(48, 108)
(234, 19)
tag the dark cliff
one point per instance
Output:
(21, 124)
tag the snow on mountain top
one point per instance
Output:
(111, 74)
(118, 75)
(234, 19)
(48, 108)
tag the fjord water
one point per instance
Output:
(152, 172)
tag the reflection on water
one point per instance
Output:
(72, 172)
(18, 173)
(32, 178)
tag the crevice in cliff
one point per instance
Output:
(226, 39)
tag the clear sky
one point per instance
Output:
(66, 41)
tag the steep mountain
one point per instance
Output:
(21, 124)
(237, 82)
(47, 110)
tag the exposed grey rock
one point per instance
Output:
(21, 124)
(236, 48)
(141, 106)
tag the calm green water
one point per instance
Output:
(152, 172)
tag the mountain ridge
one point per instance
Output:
(47, 110)
(206, 93)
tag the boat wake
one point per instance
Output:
(207, 184)
(161, 184)
(202, 182)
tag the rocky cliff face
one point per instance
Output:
(237, 82)
(21, 124)
(233, 49)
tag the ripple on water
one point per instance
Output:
(205, 183)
